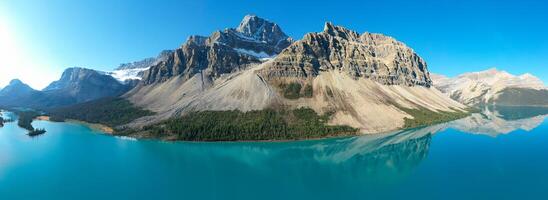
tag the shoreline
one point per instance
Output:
(95, 126)
(110, 131)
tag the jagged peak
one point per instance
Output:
(260, 29)
(328, 27)
(251, 22)
(196, 39)
(340, 31)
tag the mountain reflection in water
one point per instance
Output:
(427, 163)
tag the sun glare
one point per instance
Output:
(15, 61)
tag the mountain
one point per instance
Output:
(76, 85)
(368, 81)
(81, 85)
(16, 87)
(17, 93)
(372, 56)
(499, 120)
(222, 52)
(494, 87)
(128, 72)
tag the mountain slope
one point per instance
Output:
(365, 80)
(493, 87)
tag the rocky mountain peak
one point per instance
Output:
(373, 56)
(81, 84)
(18, 85)
(339, 31)
(196, 40)
(260, 29)
(224, 51)
(15, 88)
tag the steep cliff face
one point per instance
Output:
(223, 52)
(372, 56)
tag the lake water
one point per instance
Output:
(497, 154)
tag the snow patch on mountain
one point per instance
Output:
(127, 74)
(260, 55)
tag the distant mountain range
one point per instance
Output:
(367, 81)
(76, 85)
(494, 87)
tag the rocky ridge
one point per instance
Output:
(372, 56)
(222, 52)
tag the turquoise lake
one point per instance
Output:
(497, 154)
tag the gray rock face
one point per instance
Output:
(223, 52)
(374, 56)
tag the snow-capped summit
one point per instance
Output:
(261, 30)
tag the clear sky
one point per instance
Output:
(39, 39)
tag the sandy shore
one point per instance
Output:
(100, 127)
(43, 117)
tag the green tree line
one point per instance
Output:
(266, 124)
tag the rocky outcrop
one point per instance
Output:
(372, 56)
(486, 87)
(223, 52)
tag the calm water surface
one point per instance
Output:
(497, 154)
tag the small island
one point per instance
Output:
(36, 132)
(25, 121)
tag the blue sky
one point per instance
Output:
(38, 39)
